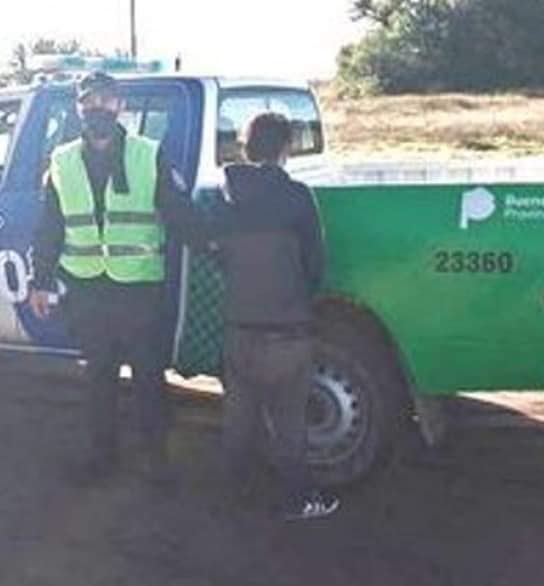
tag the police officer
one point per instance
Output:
(110, 197)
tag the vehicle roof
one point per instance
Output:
(222, 82)
(232, 82)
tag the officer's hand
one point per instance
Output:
(40, 304)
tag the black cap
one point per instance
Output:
(97, 82)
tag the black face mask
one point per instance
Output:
(99, 123)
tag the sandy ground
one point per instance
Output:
(468, 514)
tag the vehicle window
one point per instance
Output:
(9, 112)
(238, 107)
(148, 116)
(143, 115)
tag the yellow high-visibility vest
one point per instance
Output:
(130, 246)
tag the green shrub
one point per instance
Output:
(430, 45)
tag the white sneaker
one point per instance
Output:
(312, 506)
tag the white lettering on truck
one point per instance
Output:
(477, 205)
(13, 277)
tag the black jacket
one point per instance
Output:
(273, 253)
(172, 202)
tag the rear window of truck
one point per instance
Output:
(237, 107)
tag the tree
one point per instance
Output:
(497, 44)
(44, 46)
(23, 52)
(386, 12)
(404, 51)
(381, 12)
(418, 45)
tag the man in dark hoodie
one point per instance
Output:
(273, 263)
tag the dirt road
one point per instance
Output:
(467, 515)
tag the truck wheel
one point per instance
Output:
(358, 400)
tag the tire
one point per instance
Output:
(358, 402)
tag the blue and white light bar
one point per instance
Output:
(74, 64)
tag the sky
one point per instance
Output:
(276, 38)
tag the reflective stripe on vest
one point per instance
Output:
(79, 220)
(130, 247)
(112, 250)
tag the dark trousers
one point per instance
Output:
(267, 376)
(116, 324)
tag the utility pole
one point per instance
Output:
(133, 38)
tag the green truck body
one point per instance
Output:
(464, 304)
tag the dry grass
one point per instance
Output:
(458, 125)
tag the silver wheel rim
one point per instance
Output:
(337, 416)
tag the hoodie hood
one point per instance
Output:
(246, 180)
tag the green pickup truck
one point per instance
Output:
(434, 273)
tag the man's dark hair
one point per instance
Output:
(268, 134)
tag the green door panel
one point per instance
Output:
(199, 351)
(454, 272)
